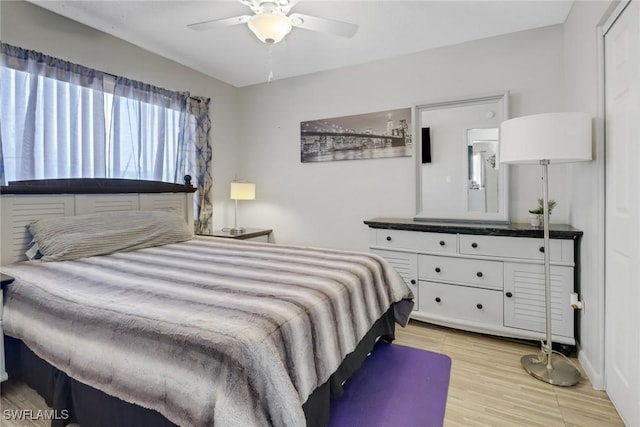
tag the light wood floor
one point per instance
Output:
(488, 387)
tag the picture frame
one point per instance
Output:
(376, 135)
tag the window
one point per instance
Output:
(64, 120)
(58, 121)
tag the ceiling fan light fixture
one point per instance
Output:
(269, 27)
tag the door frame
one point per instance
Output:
(598, 374)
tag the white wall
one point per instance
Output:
(586, 181)
(325, 203)
(31, 27)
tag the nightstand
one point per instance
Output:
(255, 234)
(4, 281)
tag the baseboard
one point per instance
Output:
(596, 378)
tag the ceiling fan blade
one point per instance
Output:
(219, 23)
(324, 25)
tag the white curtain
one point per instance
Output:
(147, 134)
(52, 118)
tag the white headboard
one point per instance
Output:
(23, 202)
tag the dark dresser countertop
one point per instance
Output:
(556, 231)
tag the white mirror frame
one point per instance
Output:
(422, 211)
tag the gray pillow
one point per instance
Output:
(72, 237)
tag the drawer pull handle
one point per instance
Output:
(413, 282)
(438, 299)
(474, 245)
(388, 238)
(442, 243)
(479, 274)
(541, 249)
(479, 306)
(509, 294)
(437, 269)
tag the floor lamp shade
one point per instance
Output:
(544, 139)
(557, 137)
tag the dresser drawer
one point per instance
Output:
(473, 272)
(515, 247)
(421, 241)
(482, 306)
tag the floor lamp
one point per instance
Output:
(544, 139)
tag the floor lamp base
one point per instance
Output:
(562, 372)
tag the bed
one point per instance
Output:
(166, 328)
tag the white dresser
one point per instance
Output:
(483, 277)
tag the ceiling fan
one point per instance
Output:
(271, 21)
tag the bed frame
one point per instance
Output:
(22, 202)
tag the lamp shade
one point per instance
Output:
(556, 137)
(269, 27)
(243, 191)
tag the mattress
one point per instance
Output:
(205, 331)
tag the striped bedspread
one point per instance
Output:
(205, 331)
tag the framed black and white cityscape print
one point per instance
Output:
(363, 136)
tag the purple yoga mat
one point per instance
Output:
(396, 386)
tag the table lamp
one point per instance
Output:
(240, 191)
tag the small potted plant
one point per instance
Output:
(535, 215)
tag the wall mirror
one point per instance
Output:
(458, 172)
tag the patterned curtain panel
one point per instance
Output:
(201, 126)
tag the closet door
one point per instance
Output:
(622, 280)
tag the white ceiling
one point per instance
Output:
(234, 55)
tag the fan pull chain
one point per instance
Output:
(270, 78)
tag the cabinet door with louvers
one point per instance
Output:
(406, 264)
(524, 300)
